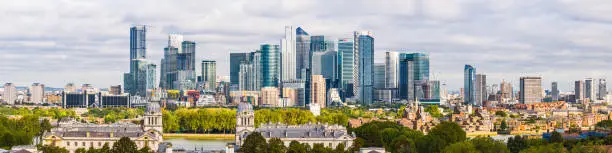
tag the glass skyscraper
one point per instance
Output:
(270, 64)
(303, 53)
(178, 64)
(366, 68)
(209, 75)
(141, 77)
(469, 87)
(346, 58)
(235, 60)
(410, 74)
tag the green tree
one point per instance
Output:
(403, 144)
(80, 150)
(503, 126)
(488, 145)
(387, 135)
(145, 149)
(254, 143)
(51, 149)
(588, 149)
(501, 114)
(275, 145)
(340, 148)
(516, 144)
(460, 147)
(440, 136)
(556, 137)
(125, 145)
(296, 147)
(434, 111)
(550, 148)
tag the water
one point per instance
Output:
(190, 144)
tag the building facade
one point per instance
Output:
(579, 91)
(469, 85)
(10, 93)
(603, 89)
(270, 65)
(554, 91)
(365, 77)
(288, 53)
(318, 94)
(530, 90)
(481, 89)
(37, 93)
(138, 81)
(303, 53)
(346, 58)
(209, 75)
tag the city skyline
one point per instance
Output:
(77, 44)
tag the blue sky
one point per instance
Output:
(56, 42)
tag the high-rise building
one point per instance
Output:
(324, 63)
(178, 64)
(380, 92)
(251, 72)
(555, 91)
(531, 90)
(138, 80)
(506, 93)
(318, 94)
(321, 44)
(589, 89)
(418, 64)
(303, 53)
(115, 90)
(269, 96)
(603, 90)
(236, 59)
(10, 93)
(346, 58)
(365, 54)
(209, 75)
(406, 83)
(392, 69)
(70, 87)
(579, 91)
(469, 85)
(270, 60)
(37, 93)
(481, 89)
(288, 53)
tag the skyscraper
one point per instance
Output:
(270, 60)
(318, 91)
(418, 64)
(324, 63)
(481, 89)
(236, 59)
(406, 83)
(137, 81)
(391, 69)
(346, 61)
(380, 92)
(178, 64)
(589, 89)
(10, 93)
(469, 85)
(288, 53)
(555, 91)
(37, 92)
(303, 53)
(579, 91)
(603, 90)
(505, 89)
(531, 90)
(209, 75)
(365, 52)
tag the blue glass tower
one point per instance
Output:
(413, 72)
(469, 88)
(346, 59)
(366, 68)
(270, 65)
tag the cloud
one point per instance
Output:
(88, 41)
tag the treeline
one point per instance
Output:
(113, 114)
(124, 145)
(223, 120)
(15, 132)
(255, 143)
(55, 113)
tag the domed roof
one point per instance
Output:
(245, 107)
(153, 107)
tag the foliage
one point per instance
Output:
(501, 114)
(113, 114)
(276, 146)
(20, 131)
(206, 120)
(462, 147)
(556, 137)
(125, 145)
(254, 143)
(55, 113)
(503, 126)
(371, 133)
(488, 145)
(434, 111)
(549, 148)
(51, 149)
(606, 124)
(516, 144)
(333, 117)
(291, 116)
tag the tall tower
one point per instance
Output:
(288, 55)
(209, 71)
(530, 90)
(153, 118)
(365, 62)
(245, 122)
(469, 81)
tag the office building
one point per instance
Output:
(288, 53)
(318, 94)
(589, 89)
(303, 53)
(380, 92)
(37, 93)
(10, 94)
(365, 53)
(270, 60)
(178, 64)
(346, 61)
(269, 96)
(298, 86)
(506, 91)
(410, 73)
(603, 90)
(325, 63)
(321, 44)
(209, 75)
(481, 89)
(236, 59)
(469, 85)
(406, 85)
(115, 90)
(579, 91)
(138, 81)
(530, 90)
(554, 91)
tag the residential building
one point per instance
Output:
(469, 87)
(209, 75)
(530, 90)
(269, 96)
(579, 93)
(506, 91)
(37, 93)
(10, 93)
(318, 94)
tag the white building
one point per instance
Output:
(10, 93)
(72, 135)
(37, 92)
(206, 99)
(328, 135)
(288, 55)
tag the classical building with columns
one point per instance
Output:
(328, 135)
(72, 134)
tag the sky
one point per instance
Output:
(61, 41)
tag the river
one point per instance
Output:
(190, 144)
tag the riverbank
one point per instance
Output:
(199, 136)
